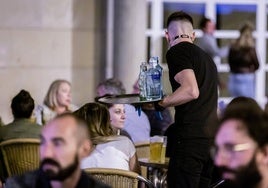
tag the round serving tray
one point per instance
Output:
(124, 99)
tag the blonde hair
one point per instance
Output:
(246, 38)
(97, 117)
(51, 97)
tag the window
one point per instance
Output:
(228, 16)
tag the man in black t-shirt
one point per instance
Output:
(193, 77)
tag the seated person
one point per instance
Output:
(22, 106)
(110, 150)
(64, 142)
(137, 126)
(118, 117)
(57, 101)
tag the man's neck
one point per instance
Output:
(70, 182)
(180, 40)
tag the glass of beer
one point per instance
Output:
(158, 149)
(163, 150)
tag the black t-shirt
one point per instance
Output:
(193, 118)
(37, 179)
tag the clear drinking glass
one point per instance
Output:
(158, 146)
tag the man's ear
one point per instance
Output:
(167, 36)
(266, 154)
(193, 37)
(86, 148)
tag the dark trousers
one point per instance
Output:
(190, 164)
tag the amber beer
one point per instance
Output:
(157, 149)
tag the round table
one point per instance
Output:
(156, 172)
(146, 162)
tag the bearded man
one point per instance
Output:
(64, 142)
(241, 145)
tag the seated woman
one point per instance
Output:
(110, 150)
(118, 117)
(57, 101)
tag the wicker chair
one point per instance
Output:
(118, 178)
(20, 155)
(143, 149)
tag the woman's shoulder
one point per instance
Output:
(73, 107)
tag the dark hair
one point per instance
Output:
(203, 22)
(22, 105)
(180, 15)
(254, 120)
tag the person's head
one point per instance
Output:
(110, 86)
(179, 28)
(64, 142)
(58, 95)
(22, 105)
(98, 120)
(207, 25)
(117, 115)
(241, 143)
(246, 37)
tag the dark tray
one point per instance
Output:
(124, 99)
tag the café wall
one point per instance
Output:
(44, 40)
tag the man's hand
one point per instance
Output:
(158, 107)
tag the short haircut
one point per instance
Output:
(179, 16)
(82, 129)
(253, 118)
(22, 105)
(112, 86)
(203, 22)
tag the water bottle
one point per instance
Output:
(160, 69)
(142, 81)
(153, 81)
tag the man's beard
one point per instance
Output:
(62, 173)
(246, 176)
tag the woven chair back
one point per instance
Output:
(20, 155)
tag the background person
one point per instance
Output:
(241, 145)
(64, 142)
(110, 150)
(209, 44)
(137, 126)
(57, 101)
(243, 62)
(118, 117)
(193, 77)
(208, 41)
(22, 106)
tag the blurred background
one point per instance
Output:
(87, 41)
